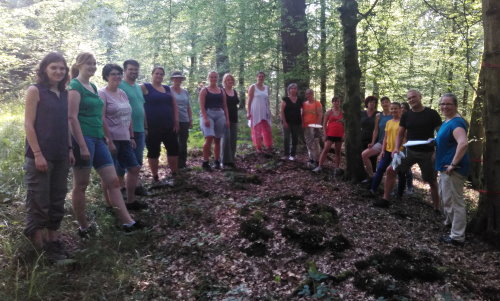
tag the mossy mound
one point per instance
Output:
(253, 229)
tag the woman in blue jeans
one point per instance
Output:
(85, 112)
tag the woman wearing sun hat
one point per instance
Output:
(185, 115)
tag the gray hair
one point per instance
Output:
(452, 96)
(292, 85)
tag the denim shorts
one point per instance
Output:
(124, 157)
(99, 153)
(140, 143)
(217, 126)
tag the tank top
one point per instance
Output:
(367, 126)
(335, 128)
(292, 112)
(232, 106)
(159, 108)
(51, 125)
(214, 101)
(260, 106)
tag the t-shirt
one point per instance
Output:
(381, 126)
(309, 112)
(136, 100)
(117, 114)
(420, 126)
(391, 132)
(90, 110)
(447, 146)
(367, 126)
(182, 100)
(292, 112)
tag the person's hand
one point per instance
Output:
(370, 145)
(112, 147)
(285, 124)
(132, 143)
(393, 153)
(206, 121)
(380, 156)
(191, 123)
(41, 163)
(71, 158)
(84, 153)
(449, 169)
(249, 116)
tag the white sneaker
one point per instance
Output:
(317, 169)
(291, 158)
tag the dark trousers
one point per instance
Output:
(292, 132)
(183, 136)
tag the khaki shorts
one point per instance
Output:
(425, 161)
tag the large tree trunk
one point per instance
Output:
(221, 56)
(476, 134)
(352, 104)
(294, 43)
(488, 216)
(339, 85)
(322, 52)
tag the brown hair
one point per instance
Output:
(81, 59)
(226, 76)
(41, 71)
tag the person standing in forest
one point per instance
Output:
(259, 114)
(375, 146)
(231, 135)
(214, 119)
(452, 162)
(85, 112)
(162, 123)
(185, 115)
(419, 123)
(333, 125)
(119, 132)
(136, 100)
(367, 126)
(48, 155)
(406, 177)
(291, 119)
(312, 114)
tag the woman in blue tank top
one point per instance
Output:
(162, 122)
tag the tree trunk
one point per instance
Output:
(476, 134)
(339, 85)
(294, 43)
(352, 103)
(322, 49)
(363, 61)
(487, 221)
(221, 56)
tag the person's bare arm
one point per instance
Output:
(399, 139)
(76, 130)
(375, 131)
(251, 92)
(461, 137)
(176, 113)
(203, 95)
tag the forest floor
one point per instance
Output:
(270, 230)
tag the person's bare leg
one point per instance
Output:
(131, 182)
(338, 148)
(435, 194)
(173, 163)
(207, 147)
(365, 155)
(81, 178)
(390, 180)
(153, 165)
(324, 153)
(217, 149)
(110, 179)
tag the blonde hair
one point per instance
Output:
(226, 76)
(81, 59)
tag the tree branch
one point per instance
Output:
(363, 16)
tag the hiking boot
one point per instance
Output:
(136, 226)
(317, 169)
(291, 158)
(136, 205)
(54, 251)
(206, 166)
(382, 203)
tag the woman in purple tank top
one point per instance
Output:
(48, 155)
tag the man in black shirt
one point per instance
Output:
(420, 123)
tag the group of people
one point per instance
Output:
(108, 129)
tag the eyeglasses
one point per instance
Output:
(446, 104)
(115, 74)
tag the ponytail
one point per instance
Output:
(81, 59)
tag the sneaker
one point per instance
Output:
(291, 158)
(54, 251)
(317, 169)
(206, 166)
(136, 205)
(86, 233)
(367, 181)
(382, 203)
(136, 226)
(217, 164)
(450, 241)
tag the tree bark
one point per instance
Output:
(221, 54)
(294, 43)
(487, 221)
(339, 85)
(352, 104)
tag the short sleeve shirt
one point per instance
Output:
(136, 100)
(182, 100)
(447, 146)
(309, 112)
(90, 110)
(420, 126)
(117, 114)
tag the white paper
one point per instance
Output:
(417, 142)
(315, 125)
